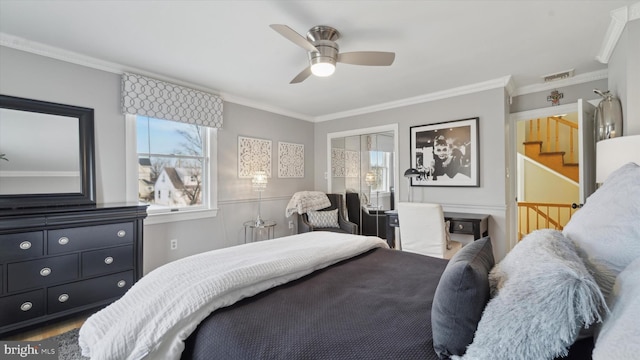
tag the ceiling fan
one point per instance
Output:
(324, 52)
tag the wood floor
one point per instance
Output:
(49, 330)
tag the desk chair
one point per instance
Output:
(423, 230)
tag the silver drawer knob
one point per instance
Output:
(108, 260)
(64, 297)
(121, 283)
(45, 271)
(63, 240)
(122, 233)
(460, 226)
(26, 306)
(25, 245)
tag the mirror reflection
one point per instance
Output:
(39, 153)
(362, 168)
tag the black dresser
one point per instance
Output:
(56, 262)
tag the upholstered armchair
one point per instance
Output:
(344, 226)
(373, 223)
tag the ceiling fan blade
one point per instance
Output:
(370, 58)
(293, 36)
(302, 76)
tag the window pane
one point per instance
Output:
(157, 136)
(171, 164)
(379, 163)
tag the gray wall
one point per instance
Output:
(490, 106)
(32, 76)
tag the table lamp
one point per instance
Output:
(411, 173)
(259, 184)
(370, 179)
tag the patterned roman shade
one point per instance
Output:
(155, 98)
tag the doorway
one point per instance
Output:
(553, 161)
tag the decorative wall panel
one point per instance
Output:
(337, 162)
(352, 163)
(253, 155)
(290, 160)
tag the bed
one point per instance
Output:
(374, 306)
(543, 301)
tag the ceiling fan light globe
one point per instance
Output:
(323, 69)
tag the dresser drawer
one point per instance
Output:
(107, 261)
(21, 307)
(86, 292)
(41, 272)
(461, 227)
(21, 246)
(89, 237)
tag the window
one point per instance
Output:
(379, 163)
(174, 168)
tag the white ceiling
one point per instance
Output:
(227, 46)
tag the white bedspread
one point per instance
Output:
(162, 309)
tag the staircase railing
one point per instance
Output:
(553, 139)
(533, 216)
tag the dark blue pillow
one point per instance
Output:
(460, 298)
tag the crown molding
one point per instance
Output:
(33, 47)
(52, 52)
(265, 107)
(619, 19)
(578, 79)
(439, 95)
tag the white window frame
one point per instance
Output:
(182, 214)
(385, 165)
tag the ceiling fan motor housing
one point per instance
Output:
(327, 52)
(324, 39)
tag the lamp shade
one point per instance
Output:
(370, 178)
(411, 172)
(612, 153)
(259, 181)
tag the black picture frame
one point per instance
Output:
(446, 153)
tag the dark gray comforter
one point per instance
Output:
(373, 306)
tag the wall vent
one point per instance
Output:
(558, 76)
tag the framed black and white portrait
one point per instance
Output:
(446, 153)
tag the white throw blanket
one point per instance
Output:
(303, 201)
(162, 309)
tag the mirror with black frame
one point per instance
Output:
(46, 154)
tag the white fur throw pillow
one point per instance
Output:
(619, 337)
(543, 297)
(607, 228)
